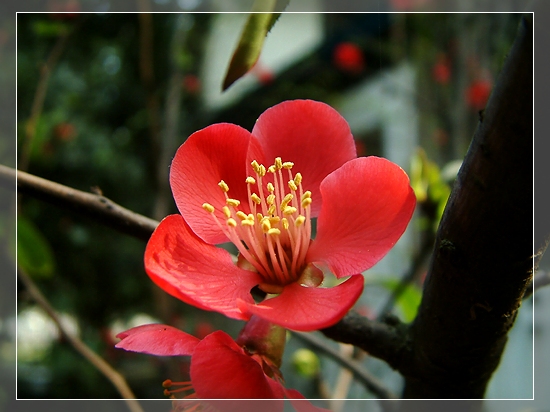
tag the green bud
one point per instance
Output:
(306, 362)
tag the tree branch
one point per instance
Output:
(111, 374)
(92, 205)
(483, 253)
(386, 340)
(361, 374)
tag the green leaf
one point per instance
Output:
(34, 253)
(407, 302)
(251, 41)
(50, 28)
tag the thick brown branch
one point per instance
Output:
(483, 252)
(92, 205)
(386, 340)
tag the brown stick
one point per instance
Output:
(116, 378)
(95, 206)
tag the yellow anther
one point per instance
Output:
(289, 210)
(274, 220)
(223, 186)
(261, 172)
(307, 194)
(259, 217)
(208, 207)
(255, 165)
(233, 202)
(271, 169)
(241, 215)
(271, 210)
(250, 216)
(299, 221)
(270, 199)
(286, 200)
(292, 185)
(278, 163)
(288, 165)
(270, 187)
(266, 225)
(226, 211)
(306, 202)
(255, 198)
(274, 231)
(298, 178)
(250, 180)
(231, 222)
(247, 222)
(284, 222)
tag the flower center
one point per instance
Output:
(275, 235)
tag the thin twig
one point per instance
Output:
(361, 374)
(107, 370)
(39, 97)
(93, 205)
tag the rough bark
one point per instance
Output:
(482, 259)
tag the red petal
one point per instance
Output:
(197, 273)
(310, 134)
(215, 153)
(220, 369)
(300, 403)
(157, 339)
(367, 204)
(242, 405)
(308, 308)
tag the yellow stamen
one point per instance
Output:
(250, 180)
(299, 221)
(284, 221)
(289, 210)
(223, 186)
(233, 202)
(292, 185)
(231, 222)
(298, 178)
(270, 187)
(208, 207)
(255, 198)
(288, 198)
(273, 231)
(241, 215)
(278, 163)
(266, 224)
(226, 211)
(288, 165)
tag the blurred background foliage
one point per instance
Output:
(105, 99)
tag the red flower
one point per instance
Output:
(441, 71)
(348, 57)
(220, 367)
(478, 93)
(363, 206)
